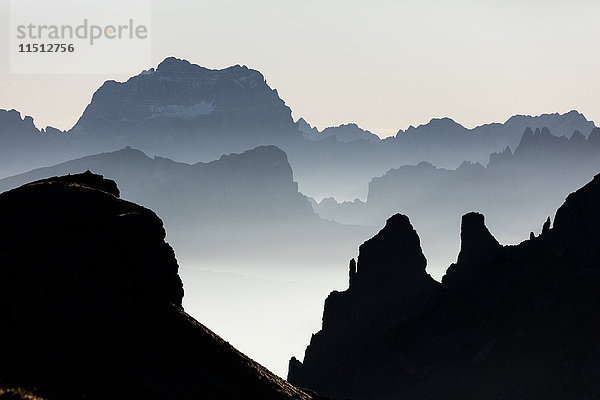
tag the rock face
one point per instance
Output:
(188, 112)
(388, 280)
(507, 322)
(90, 301)
(228, 100)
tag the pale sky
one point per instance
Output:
(382, 64)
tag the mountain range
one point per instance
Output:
(239, 217)
(506, 322)
(220, 209)
(189, 113)
(516, 190)
(217, 154)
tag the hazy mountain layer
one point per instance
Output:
(189, 113)
(516, 192)
(343, 133)
(240, 207)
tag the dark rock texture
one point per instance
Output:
(507, 322)
(90, 303)
(389, 280)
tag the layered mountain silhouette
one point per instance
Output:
(516, 190)
(90, 302)
(507, 322)
(444, 135)
(23, 146)
(189, 113)
(241, 188)
(238, 207)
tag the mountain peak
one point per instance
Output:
(173, 64)
(13, 121)
(475, 238)
(390, 276)
(395, 252)
(436, 127)
(348, 133)
(183, 105)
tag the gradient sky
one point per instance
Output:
(382, 64)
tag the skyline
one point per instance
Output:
(384, 66)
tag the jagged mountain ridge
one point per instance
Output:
(508, 133)
(91, 304)
(515, 322)
(515, 190)
(189, 113)
(343, 133)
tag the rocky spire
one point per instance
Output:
(475, 238)
(392, 258)
(352, 272)
(546, 227)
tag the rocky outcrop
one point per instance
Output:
(13, 125)
(476, 240)
(507, 322)
(389, 279)
(90, 302)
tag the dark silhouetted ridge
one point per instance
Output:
(508, 322)
(90, 301)
(389, 279)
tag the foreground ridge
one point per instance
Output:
(507, 322)
(90, 300)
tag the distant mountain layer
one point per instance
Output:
(239, 207)
(507, 322)
(189, 113)
(515, 190)
(237, 188)
(445, 130)
(90, 302)
(343, 133)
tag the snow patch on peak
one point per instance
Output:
(180, 111)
